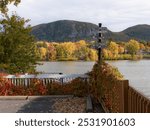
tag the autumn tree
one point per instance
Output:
(66, 51)
(69, 49)
(41, 44)
(60, 51)
(121, 49)
(51, 52)
(132, 47)
(147, 49)
(142, 47)
(105, 53)
(93, 55)
(113, 47)
(43, 53)
(82, 50)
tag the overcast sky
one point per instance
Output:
(117, 15)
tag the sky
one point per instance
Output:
(116, 15)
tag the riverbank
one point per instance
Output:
(117, 57)
(146, 56)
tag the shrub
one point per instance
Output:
(104, 79)
(5, 87)
(76, 87)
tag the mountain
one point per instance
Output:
(138, 32)
(68, 30)
(65, 30)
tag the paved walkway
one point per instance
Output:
(44, 104)
(30, 105)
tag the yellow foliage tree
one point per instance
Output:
(121, 49)
(105, 53)
(43, 53)
(93, 55)
(132, 47)
(69, 49)
(142, 47)
(51, 52)
(113, 47)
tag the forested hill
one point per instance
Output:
(65, 30)
(138, 32)
(68, 30)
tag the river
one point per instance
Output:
(69, 67)
(137, 72)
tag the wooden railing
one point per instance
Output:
(123, 98)
(137, 102)
(26, 82)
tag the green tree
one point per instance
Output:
(4, 3)
(17, 48)
(132, 47)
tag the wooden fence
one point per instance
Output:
(137, 102)
(26, 82)
(123, 98)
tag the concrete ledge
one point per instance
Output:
(33, 97)
(49, 96)
(89, 105)
(13, 97)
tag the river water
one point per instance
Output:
(69, 67)
(137, 72)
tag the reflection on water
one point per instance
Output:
(138, 73)
(70, 67)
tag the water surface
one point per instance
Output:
(69, 67)
(137, 72)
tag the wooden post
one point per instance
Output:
(99, 53)
(126, 87)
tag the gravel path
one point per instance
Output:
(70, 105)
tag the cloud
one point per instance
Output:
(115, 14)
